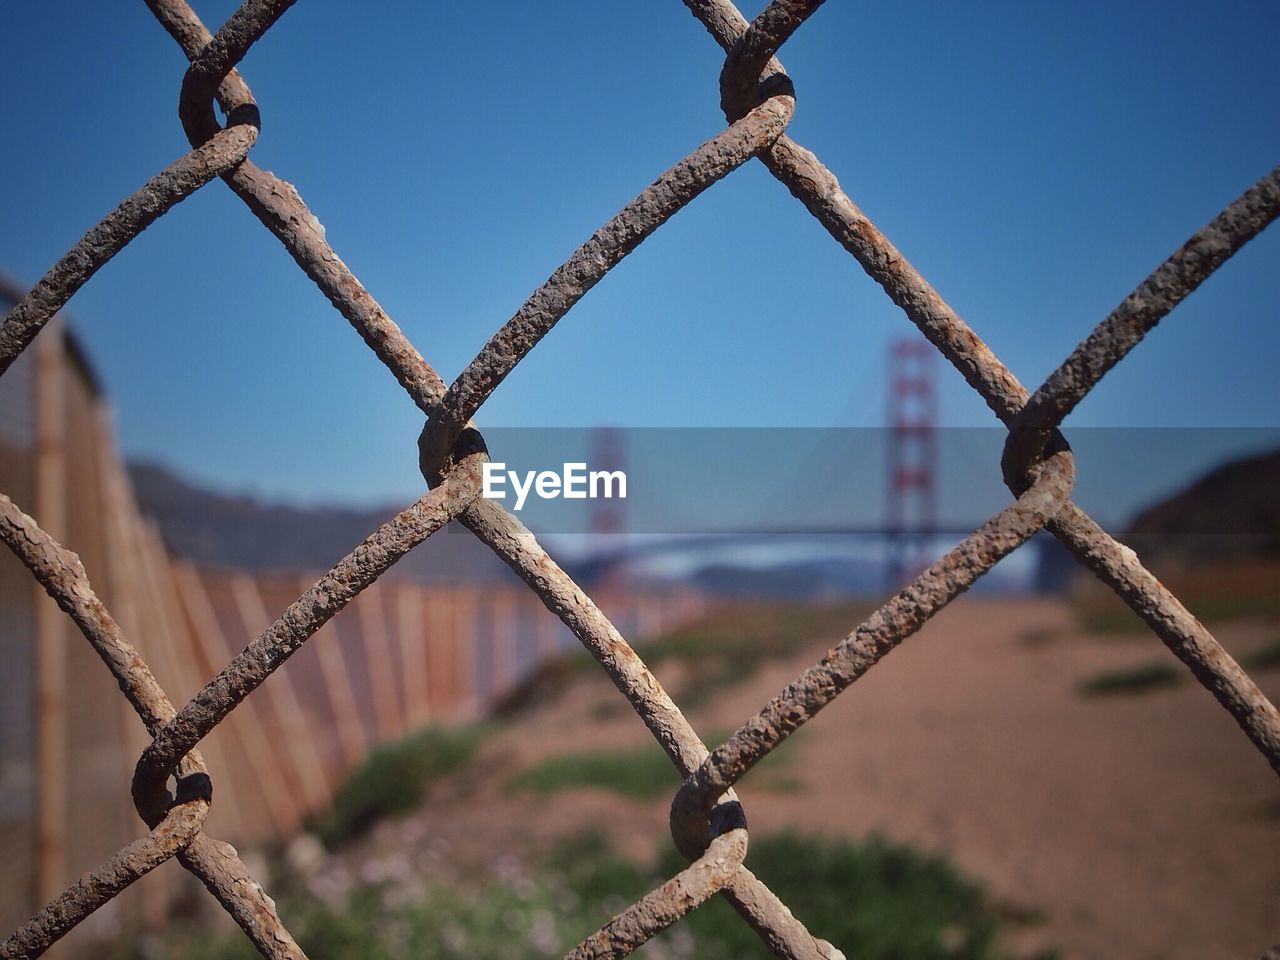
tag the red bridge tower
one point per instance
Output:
(911, 512)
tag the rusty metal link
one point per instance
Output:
(1167, 286)
(750, 66)
(708, 825)
(818, 189)
(281, 210)
(691, 887)
(216, 60)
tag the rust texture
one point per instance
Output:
(708, 825)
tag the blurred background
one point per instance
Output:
(441, 771)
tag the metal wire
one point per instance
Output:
(708, 825)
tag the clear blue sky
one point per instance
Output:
(1034, 160)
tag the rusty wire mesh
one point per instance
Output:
(708, 826)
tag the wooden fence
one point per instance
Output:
(404, 655)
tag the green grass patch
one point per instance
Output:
(754, 632)
(547, 681)
(1214, 593)
(395, 777)
(1264, 658)
(1102, 613)
(642, 772)
(874, 900)
(730, 646)
(1140, 679)
(722, 649)
(1160, 675)
(1037, 637)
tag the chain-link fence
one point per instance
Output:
(708, 826)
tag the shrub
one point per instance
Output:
(1264, 658)
(1140, 679)
(641, 772)
(875, 900)
(728, 647)
(395, 777)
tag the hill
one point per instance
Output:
(1229, 514)
(218, 529)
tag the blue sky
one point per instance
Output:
(1035, 161)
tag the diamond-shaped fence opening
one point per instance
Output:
(707, 823)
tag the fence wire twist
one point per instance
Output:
(708, 825)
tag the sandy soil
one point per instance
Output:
(1141, 826)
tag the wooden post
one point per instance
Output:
(50, 656)
(463, 611)
(377, 654)
(137, 617)
(337, 687)
(413, 655)
(189, 672)
(439, 651)
(299, 747)
(119, 598)
(649, 615)
(548, 627)
(213, 652)
(504, 627)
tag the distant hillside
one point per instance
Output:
(1231, 513)
(237, 531)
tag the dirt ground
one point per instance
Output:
(1140, 826)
